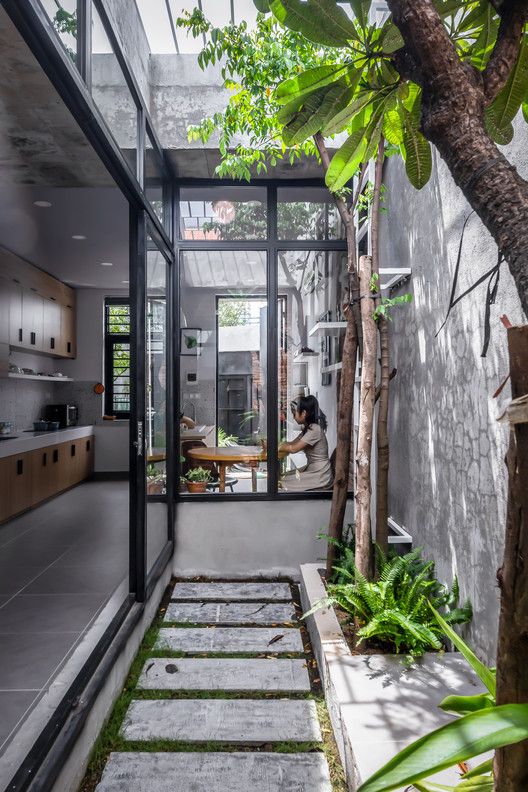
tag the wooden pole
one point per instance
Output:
(511, 763)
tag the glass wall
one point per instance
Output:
(112, 94)
(307, 213)
(156, 336)
(223, 213)
(311, 326)
(154, 177)
(223, 370)
(63, 16)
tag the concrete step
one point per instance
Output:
(228, 674)
(215, 772)
(229, 613)
(254, 592)
(229, 639)
(245, 722)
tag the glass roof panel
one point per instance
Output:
(156, 20)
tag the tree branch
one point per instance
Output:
(514, 14)
(430, 57)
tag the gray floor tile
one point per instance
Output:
(13, 705)
(49, 613)
(246, 722)
(224, 674)
(28, 661)
(81, 579)
(230, 639)
(36, 551)
(229, 613)
(14, 577)
(203, 772)
(255, 592)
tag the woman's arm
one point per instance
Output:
(295, 445)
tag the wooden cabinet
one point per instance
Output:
(28, 479)
(41, 309)
(52, 338)
(68, 332)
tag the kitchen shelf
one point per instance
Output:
(42, 378)
(327, 328)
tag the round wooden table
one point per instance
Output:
(231, 455)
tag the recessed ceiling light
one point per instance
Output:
(125, 281)
(78, 236)
(106, 264)
(42, 204)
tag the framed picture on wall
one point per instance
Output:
(190, 341)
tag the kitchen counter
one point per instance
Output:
(32, 441)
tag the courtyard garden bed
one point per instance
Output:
(378, 703)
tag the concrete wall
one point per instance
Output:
(447, 476)
(255, 539)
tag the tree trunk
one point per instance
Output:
(382, 439)
(344, 434)
(454, 100)
(366, 418)
(511, 763)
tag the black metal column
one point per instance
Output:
(272, 350)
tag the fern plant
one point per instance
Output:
(395, 610)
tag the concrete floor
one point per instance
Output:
(59, 565)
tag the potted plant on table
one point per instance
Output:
(198, 479)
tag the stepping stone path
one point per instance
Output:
(275, 707)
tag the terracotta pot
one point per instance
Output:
(197, 486)
(154, 487)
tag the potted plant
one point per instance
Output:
(198, 479)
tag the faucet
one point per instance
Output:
(193, 408)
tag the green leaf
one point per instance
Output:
(321, 21)
(346, 160)
(462, 705)
(317, 109)
(455, 742)
(361, 10)
(391, 39)
(481, 783)
(343, 118)
(262, 5)
(485, 674)
(308, 81)
(506, 106)
(483, 46)
(501, 136)
(525, 111)
(393, 127)
(416, 151)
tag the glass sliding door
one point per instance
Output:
(158, 483)
(312, 289)
(223, 370)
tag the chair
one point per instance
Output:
(230, 482)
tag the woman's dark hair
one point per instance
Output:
(313, 414)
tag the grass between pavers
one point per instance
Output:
(171, 653)
(110, 739)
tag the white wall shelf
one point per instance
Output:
(327, 328)
(332, 368)
(39, 377)
(305, 358)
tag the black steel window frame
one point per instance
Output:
(109, 340)
(45, 760)
(271, 246)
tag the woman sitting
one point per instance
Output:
(317, 473)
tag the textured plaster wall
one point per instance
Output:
(447, 480)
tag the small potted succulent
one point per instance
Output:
(198, 479)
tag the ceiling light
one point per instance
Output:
(125, 281)
(78, 236)
(42, 204)
(106, 264)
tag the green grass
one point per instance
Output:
(110, 739)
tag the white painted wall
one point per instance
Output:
(250, 539)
